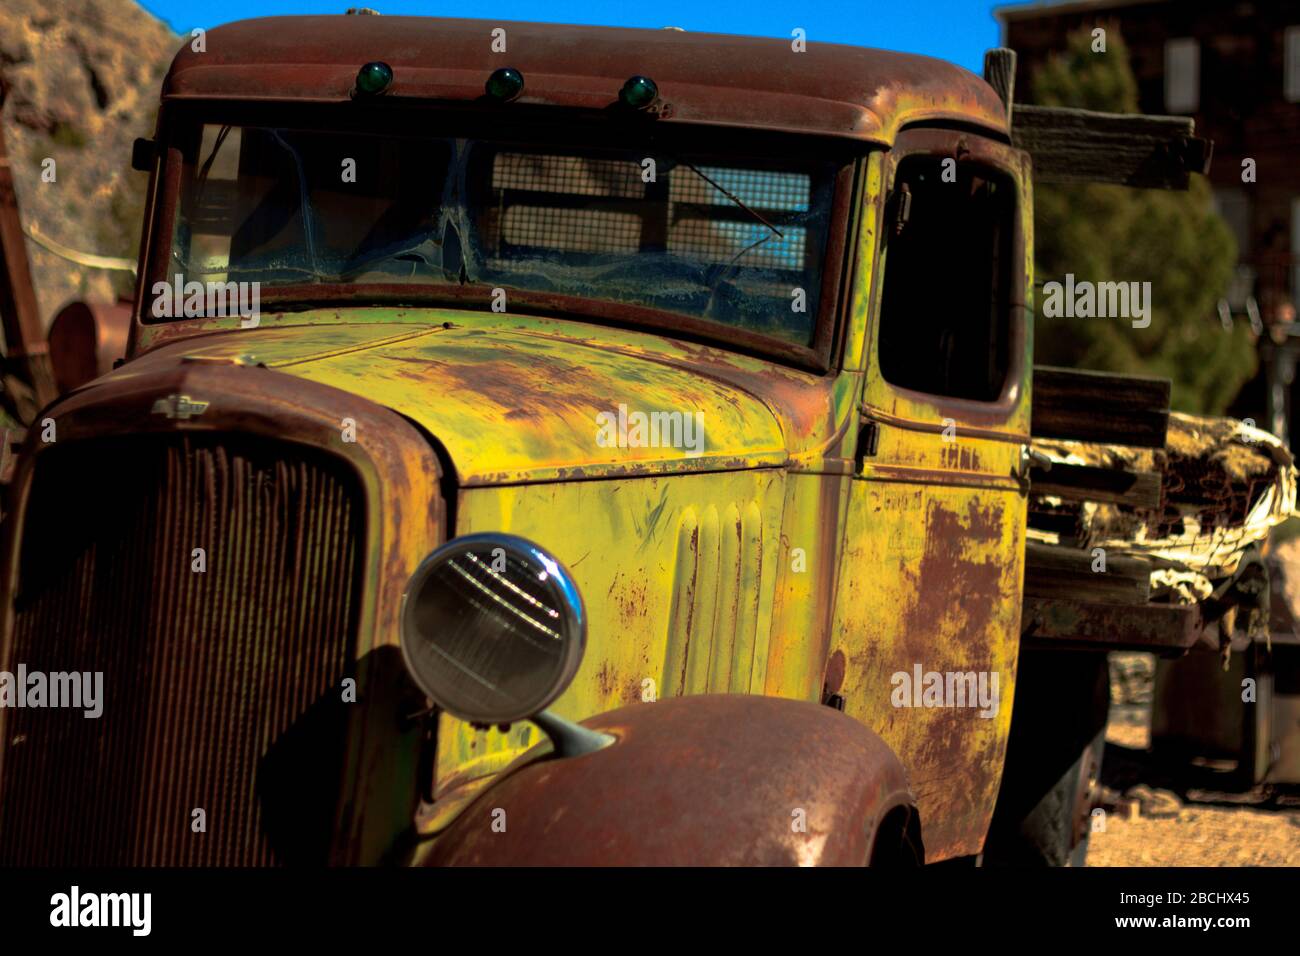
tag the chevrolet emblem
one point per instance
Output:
(179, 406)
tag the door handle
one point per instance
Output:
(1029, 457)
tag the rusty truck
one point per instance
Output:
(539, 444)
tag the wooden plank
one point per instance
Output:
(1000, 73)
(1064, 524)
(1083, 146)
(1083, 625)
(20, 317)
(1133, 489)
(1099, 407)
(11, 440)
(1066, 573)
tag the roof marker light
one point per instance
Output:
(504, 84)
(374, 78)
(638, 92)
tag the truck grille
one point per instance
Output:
(220, 688)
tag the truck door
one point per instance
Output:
(927, 612)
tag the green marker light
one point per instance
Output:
(504, 84)
(374, 78)
(638, 92)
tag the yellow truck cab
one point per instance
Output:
(670, 389)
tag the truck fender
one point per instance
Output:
(709, 780)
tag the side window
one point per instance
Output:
(1291, 65)
(945, 319)
(1182, 76)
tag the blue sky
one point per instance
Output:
(956, 30)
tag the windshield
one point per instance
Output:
(738, 242)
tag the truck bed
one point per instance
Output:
(1150, 540)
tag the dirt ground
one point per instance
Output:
(1162, 817)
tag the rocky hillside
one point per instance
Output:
(83, 80)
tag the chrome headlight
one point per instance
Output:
(493, 628)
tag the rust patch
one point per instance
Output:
(960, 456)
(834, 673)
(978, 585)
(607, 680)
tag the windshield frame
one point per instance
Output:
(179, 120)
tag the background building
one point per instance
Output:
(1234, 65)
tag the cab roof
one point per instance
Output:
(759, 83)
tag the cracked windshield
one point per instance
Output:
(739, 243)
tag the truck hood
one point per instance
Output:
(519, 398)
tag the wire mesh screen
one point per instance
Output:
(579, 175)
(756, 188)
(571, 230)
(567, 203)
(756, 245)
